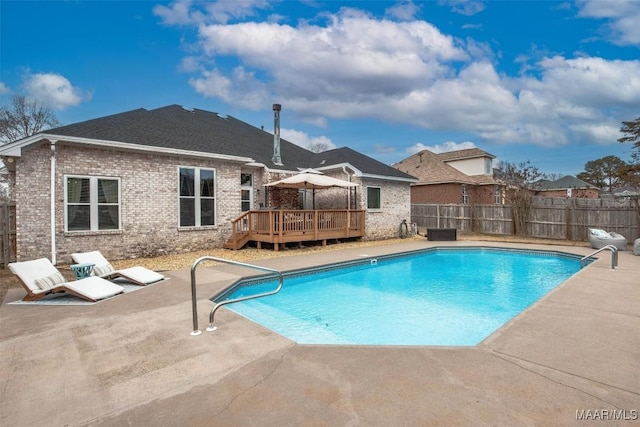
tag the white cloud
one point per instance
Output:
(182, 12)
(177, 13)
(4, 89)
(53, 89)
(445, 147)
(599, 133)
(241, 88)
(384, 149)
(622, 18)
(305, 141)
(354, 65)
(464, 7)
(189, 64)
(403, 10)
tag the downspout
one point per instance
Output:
(53, 202)
(344, 169)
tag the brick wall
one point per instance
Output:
(452, 193)
(395, 206)
(436, 193)
(482, 194)
(149, 203)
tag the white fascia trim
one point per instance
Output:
(356, 171)
(16, 150)
(389, 178)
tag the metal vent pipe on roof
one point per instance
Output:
(277, 160)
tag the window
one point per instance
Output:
(197, 202)
(373, 198)
(498, 195)
(246, 191)
(92, 203)
(487, 166)
(465, 195)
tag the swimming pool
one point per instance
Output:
(439, 296)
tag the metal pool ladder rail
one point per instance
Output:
(614, 256)
(194, 299)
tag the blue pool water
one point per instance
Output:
(452, 297)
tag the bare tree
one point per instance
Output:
(519, 179)
(319, 147)
(23, 118)
(631, 174)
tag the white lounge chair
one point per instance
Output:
(600, 238)
(102, 268)
(40, 277)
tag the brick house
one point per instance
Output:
(462, 176)
(568, 186)
(170, 180)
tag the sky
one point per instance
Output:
(547, 82)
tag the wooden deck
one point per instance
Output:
(279, 227)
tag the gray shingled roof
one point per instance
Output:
(202, 131)
(195, 130)
(563, 183)
(363, 163)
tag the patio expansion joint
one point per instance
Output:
(258, 383)
(509, 358)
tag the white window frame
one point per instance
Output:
(198, 197)
(465, 194)
(248, 188)
(93, 203)
(379, 198)
(487, 166)
(497, 195)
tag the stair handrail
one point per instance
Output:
(194, 299)
(614, 256)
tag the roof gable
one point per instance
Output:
(468, 153)
(430, 168)
(365, 164)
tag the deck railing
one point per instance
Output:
(283, 226)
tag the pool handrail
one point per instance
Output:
(614, 256)
(194, 304)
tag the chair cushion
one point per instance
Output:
(103, 270)
(51, 281)
(599, 233)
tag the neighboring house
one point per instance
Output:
(463, 176)
(171, 180)
(568, 186)
(626, 193)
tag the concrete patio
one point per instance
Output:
(131, 360)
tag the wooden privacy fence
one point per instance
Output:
(549, 217)
(8, 233)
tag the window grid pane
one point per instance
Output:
(187, 182)
(373, 198)
(187, 212)
(206, 183)
(78, 218)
